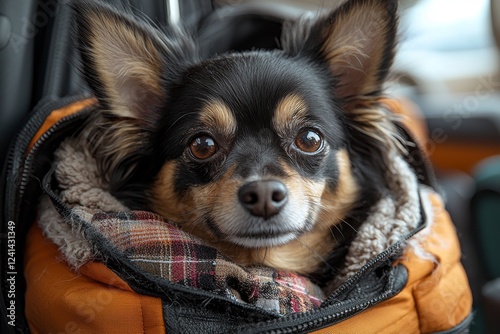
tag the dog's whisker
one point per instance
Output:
(340, 231)
(352, 227)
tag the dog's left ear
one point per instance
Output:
(357, 42)
(127, 62)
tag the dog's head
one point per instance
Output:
(252, 149)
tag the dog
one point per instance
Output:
(271, 156)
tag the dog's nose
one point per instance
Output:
(263, 198)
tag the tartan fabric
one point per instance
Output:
(162, 249)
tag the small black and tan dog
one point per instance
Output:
(263, 154)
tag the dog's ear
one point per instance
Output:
(127, 63)
(356, 40)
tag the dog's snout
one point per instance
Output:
(263, 198)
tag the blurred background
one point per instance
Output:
(447, 67)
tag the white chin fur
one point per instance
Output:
(259, 242)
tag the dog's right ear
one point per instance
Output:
(127, 63)
(355, 40)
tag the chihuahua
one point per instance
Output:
(270, 156)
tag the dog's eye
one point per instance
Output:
(308, 141)
(203, 147)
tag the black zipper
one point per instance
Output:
(24, 179)
(380, 258)
(16, 155)
(313, 320)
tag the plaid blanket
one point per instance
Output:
(162, 249)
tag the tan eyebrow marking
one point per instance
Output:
(217, 114)
(290, 110)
